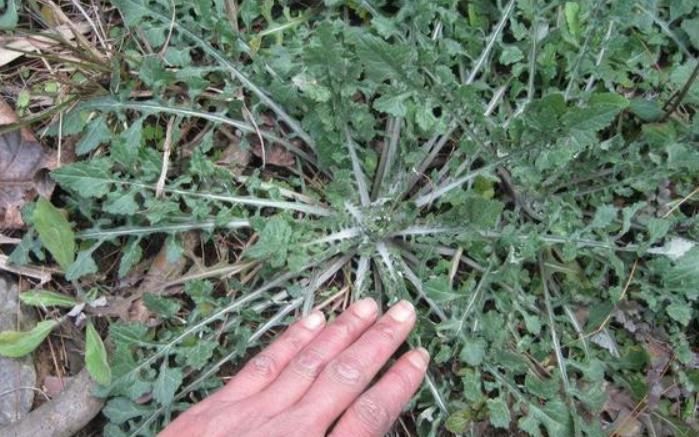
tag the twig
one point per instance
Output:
(623, 294)
(77, 4)
(167, 145)
(42, 274)
(681, 202)
(9, 240)
(676, 99)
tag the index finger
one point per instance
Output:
(349, 373)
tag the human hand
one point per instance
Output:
(313, 374)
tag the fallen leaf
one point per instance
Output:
(24, 166)
(14, 47)
(235, 157)
(8, 116)
(274, 154)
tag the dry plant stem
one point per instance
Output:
(681, 202)
(167, 146)
(62, 417)
(623, 294)
(76, 32)
(676, 99)
(43, 275)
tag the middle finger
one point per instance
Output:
(348, 375)
(299, 375)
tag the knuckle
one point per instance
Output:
(403, 380)
(262, 366)
(293, 341)
(347, 370)
(341, 330)
(371, 415)
(385, 331)
(309, 363)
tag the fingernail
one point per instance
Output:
(401, 311)
(419, 358)
(365, 308)
(314, 320)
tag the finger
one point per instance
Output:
(373, 413)
(265, 367)
(305, 367)
(347, 376)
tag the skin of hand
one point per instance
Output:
(313, 380)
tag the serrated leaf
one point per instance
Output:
(499, 413)
(87, 178)
(55, 233)
(83, 265)
(382, 60)
(96, 356)
(602, 109)
(394, 105)
(163, 306)
(572, 14)
(165, 387)
(681, 313)
(274, 242)
(473, 351)
(131, 256)
(47, 298)
(511, 55)
(121, 204)
(16, 344)
(97, 133)
(604, 216)
(121, 410)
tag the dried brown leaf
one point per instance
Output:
(24, 166)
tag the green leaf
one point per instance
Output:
(87, 178)
(604, 216)
(163, 306)
(572, 13)
(458, 421)
(511, 55)
(382, 60)
(600, 112)
(16, 344)
(96, 356)
(691, 27)
(121, 410)
(646, 110)
(681, 313)
(274, 242)
(46, 298)
(165, 387)
(97, 133)
(83, 265)
(121, 204)
(55, 233)
(394, 105)
(311, 87)
(473, 351)
(131, 256)
(499, 413)
(8, 20)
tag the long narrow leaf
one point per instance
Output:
(223, 60)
